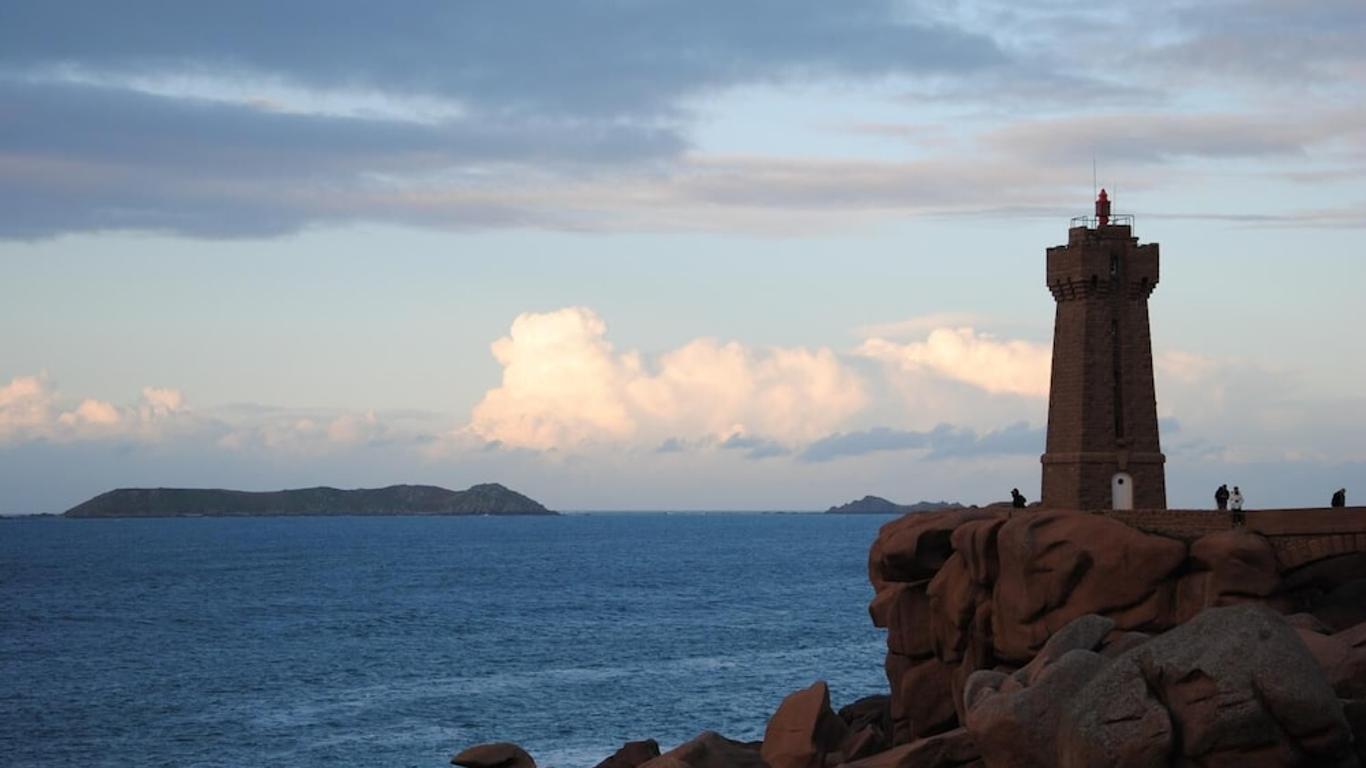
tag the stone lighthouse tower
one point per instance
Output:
(1102, 450)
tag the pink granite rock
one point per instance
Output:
(500, 754)
(803, 730)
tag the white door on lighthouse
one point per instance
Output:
(1121, 491)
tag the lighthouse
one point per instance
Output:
(1102, 450)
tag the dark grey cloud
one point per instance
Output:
(754, 447)
(943, 442)
(544, 91)
(1018, 438)
(1305, 45)
(76, 157)
(84, 122)
(859, 443)
(573, 56)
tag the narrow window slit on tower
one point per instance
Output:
(1117, 355)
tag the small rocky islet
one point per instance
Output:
(876, 505)
(1060, 639)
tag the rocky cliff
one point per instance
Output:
(1043, 639)
(485, 499)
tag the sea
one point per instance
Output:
(398, 641)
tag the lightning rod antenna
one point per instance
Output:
(1093, 173)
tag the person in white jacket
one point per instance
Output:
(1235, 502)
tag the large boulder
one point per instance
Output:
(873, 710)
(922, 699)
(870, 726)
(709, 750)
(803, 730)
(1016, 726)
(1056, 566)
(1226, 568)
(1332, 589)
(1342, 607)
(914, 547)
(904, 610)
(1236, 684)
(1341, 657)
(1086, 633)
(946, 750)
(956, 602)
(632, 754)
(499, 754)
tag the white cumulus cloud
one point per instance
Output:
(91, 412)
(26, 406)
(999, 366)
(565, 386)
(31, 408)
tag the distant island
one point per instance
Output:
(483, 499)
(876, 505)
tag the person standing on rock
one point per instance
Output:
(1340, 497)
(1221, 497)
(1017, 499)
(1235, 501)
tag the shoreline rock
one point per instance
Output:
(1048, 638)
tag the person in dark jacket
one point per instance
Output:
(1340, 497)
(1017, 499)
(1221, 497)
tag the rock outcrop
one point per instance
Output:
(500, 754)
(1043, 639)
(991, 589)
(632, 754)
(1234, 686)
(804, 730)
(953, 749)
(709, 750)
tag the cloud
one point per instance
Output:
(314, 432)
(754, 448)
(919, 326)
(943, 442)
(157, 122)
(1018, 438)
(998, 366)
(564, 386)
(92, 412)
(31, 408)
(161, 401)
(671, 445)
(576, 56)
(1300, 46)
(1240, 410)
(860, 443)
(26, 407)
(1155, 138)
(582, 115)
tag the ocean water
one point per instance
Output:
(399, 641)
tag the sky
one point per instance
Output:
(664, 254)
